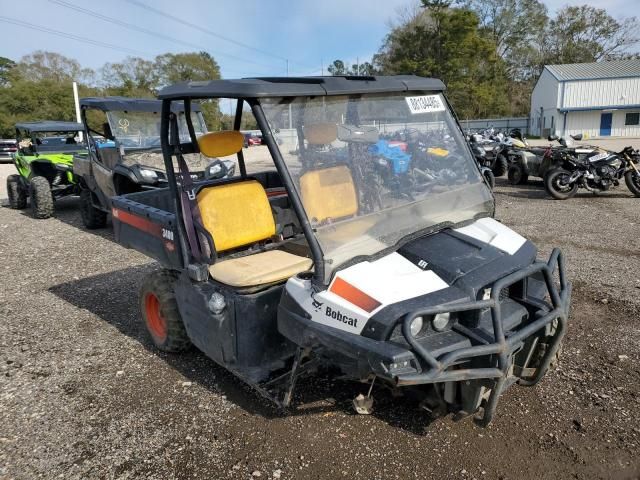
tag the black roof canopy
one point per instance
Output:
(299, 86)
(50, 126)
(125, 104)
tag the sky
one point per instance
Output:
(246, 37)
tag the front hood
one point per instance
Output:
(448, 266)
(55, 158)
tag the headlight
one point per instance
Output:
(416, 326)
(148, 175)
(440, 321)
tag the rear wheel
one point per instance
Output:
(92, 217)
(556, 183)
(632, 179)
(516, 175)
(16, 193)
(500, 166)
(40, 197)
(160, 312)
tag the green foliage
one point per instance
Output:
(588, 34)
(39, 86)
(338, 67)
(447, 43)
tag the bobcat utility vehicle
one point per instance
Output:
(44, 160)
(125, 154)
(409, 285)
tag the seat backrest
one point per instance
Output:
(236, 214)
(328, 193)
(321, 133)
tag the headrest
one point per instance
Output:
(321, 133)
(221, 144)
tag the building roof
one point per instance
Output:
(299, 86)
(50, 126)
(126, 104)
(596, 70)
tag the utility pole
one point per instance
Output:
(290, 119)
(76, 101)
(321, 67)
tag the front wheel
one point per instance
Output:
(16, 193)
(92, 217)
(516, 175)
(160, 312)
(40, 197)
(488, 176)
(500, 166)
(556, 183)
(632, 179)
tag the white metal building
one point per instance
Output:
(596, 99)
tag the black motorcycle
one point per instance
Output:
(596, 172)
(480, 154)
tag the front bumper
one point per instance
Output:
(490, 359)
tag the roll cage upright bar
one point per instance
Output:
(171, 146)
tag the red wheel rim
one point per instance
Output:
(155, 321)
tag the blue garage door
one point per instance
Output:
(605, 124)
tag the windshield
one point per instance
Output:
(54, 142)
(141, 130)
(372, 170)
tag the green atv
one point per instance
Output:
(44, 161)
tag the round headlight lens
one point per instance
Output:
(416, 325)
(440, 321)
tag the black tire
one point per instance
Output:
(488, 175)
(553, 184)
(16, 192)
(40, 197)
(632, 179)
(516, 175)
(160, 313)
(92, 217)
(500, 166)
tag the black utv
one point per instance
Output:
(125, 152)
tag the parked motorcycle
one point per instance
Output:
(527, 161)
(480, 154)
(596, 172)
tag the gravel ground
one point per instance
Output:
(83, 393)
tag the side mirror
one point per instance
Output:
(552, 138)
(577, 137)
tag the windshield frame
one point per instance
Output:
(451, 121)
(172, 148)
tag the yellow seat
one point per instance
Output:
(259, 269)
(328, 193)
(239, 214)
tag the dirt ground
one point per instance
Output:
(84, 394)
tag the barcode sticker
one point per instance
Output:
(425, 104)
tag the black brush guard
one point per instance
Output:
(502, 347)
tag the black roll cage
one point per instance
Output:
(171, 147)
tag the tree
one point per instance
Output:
(180, 67)
(337, 68)
(42, 65)
(445, 42)
(517, 27)
(588, 34)
(6, 65)
(134, 77)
